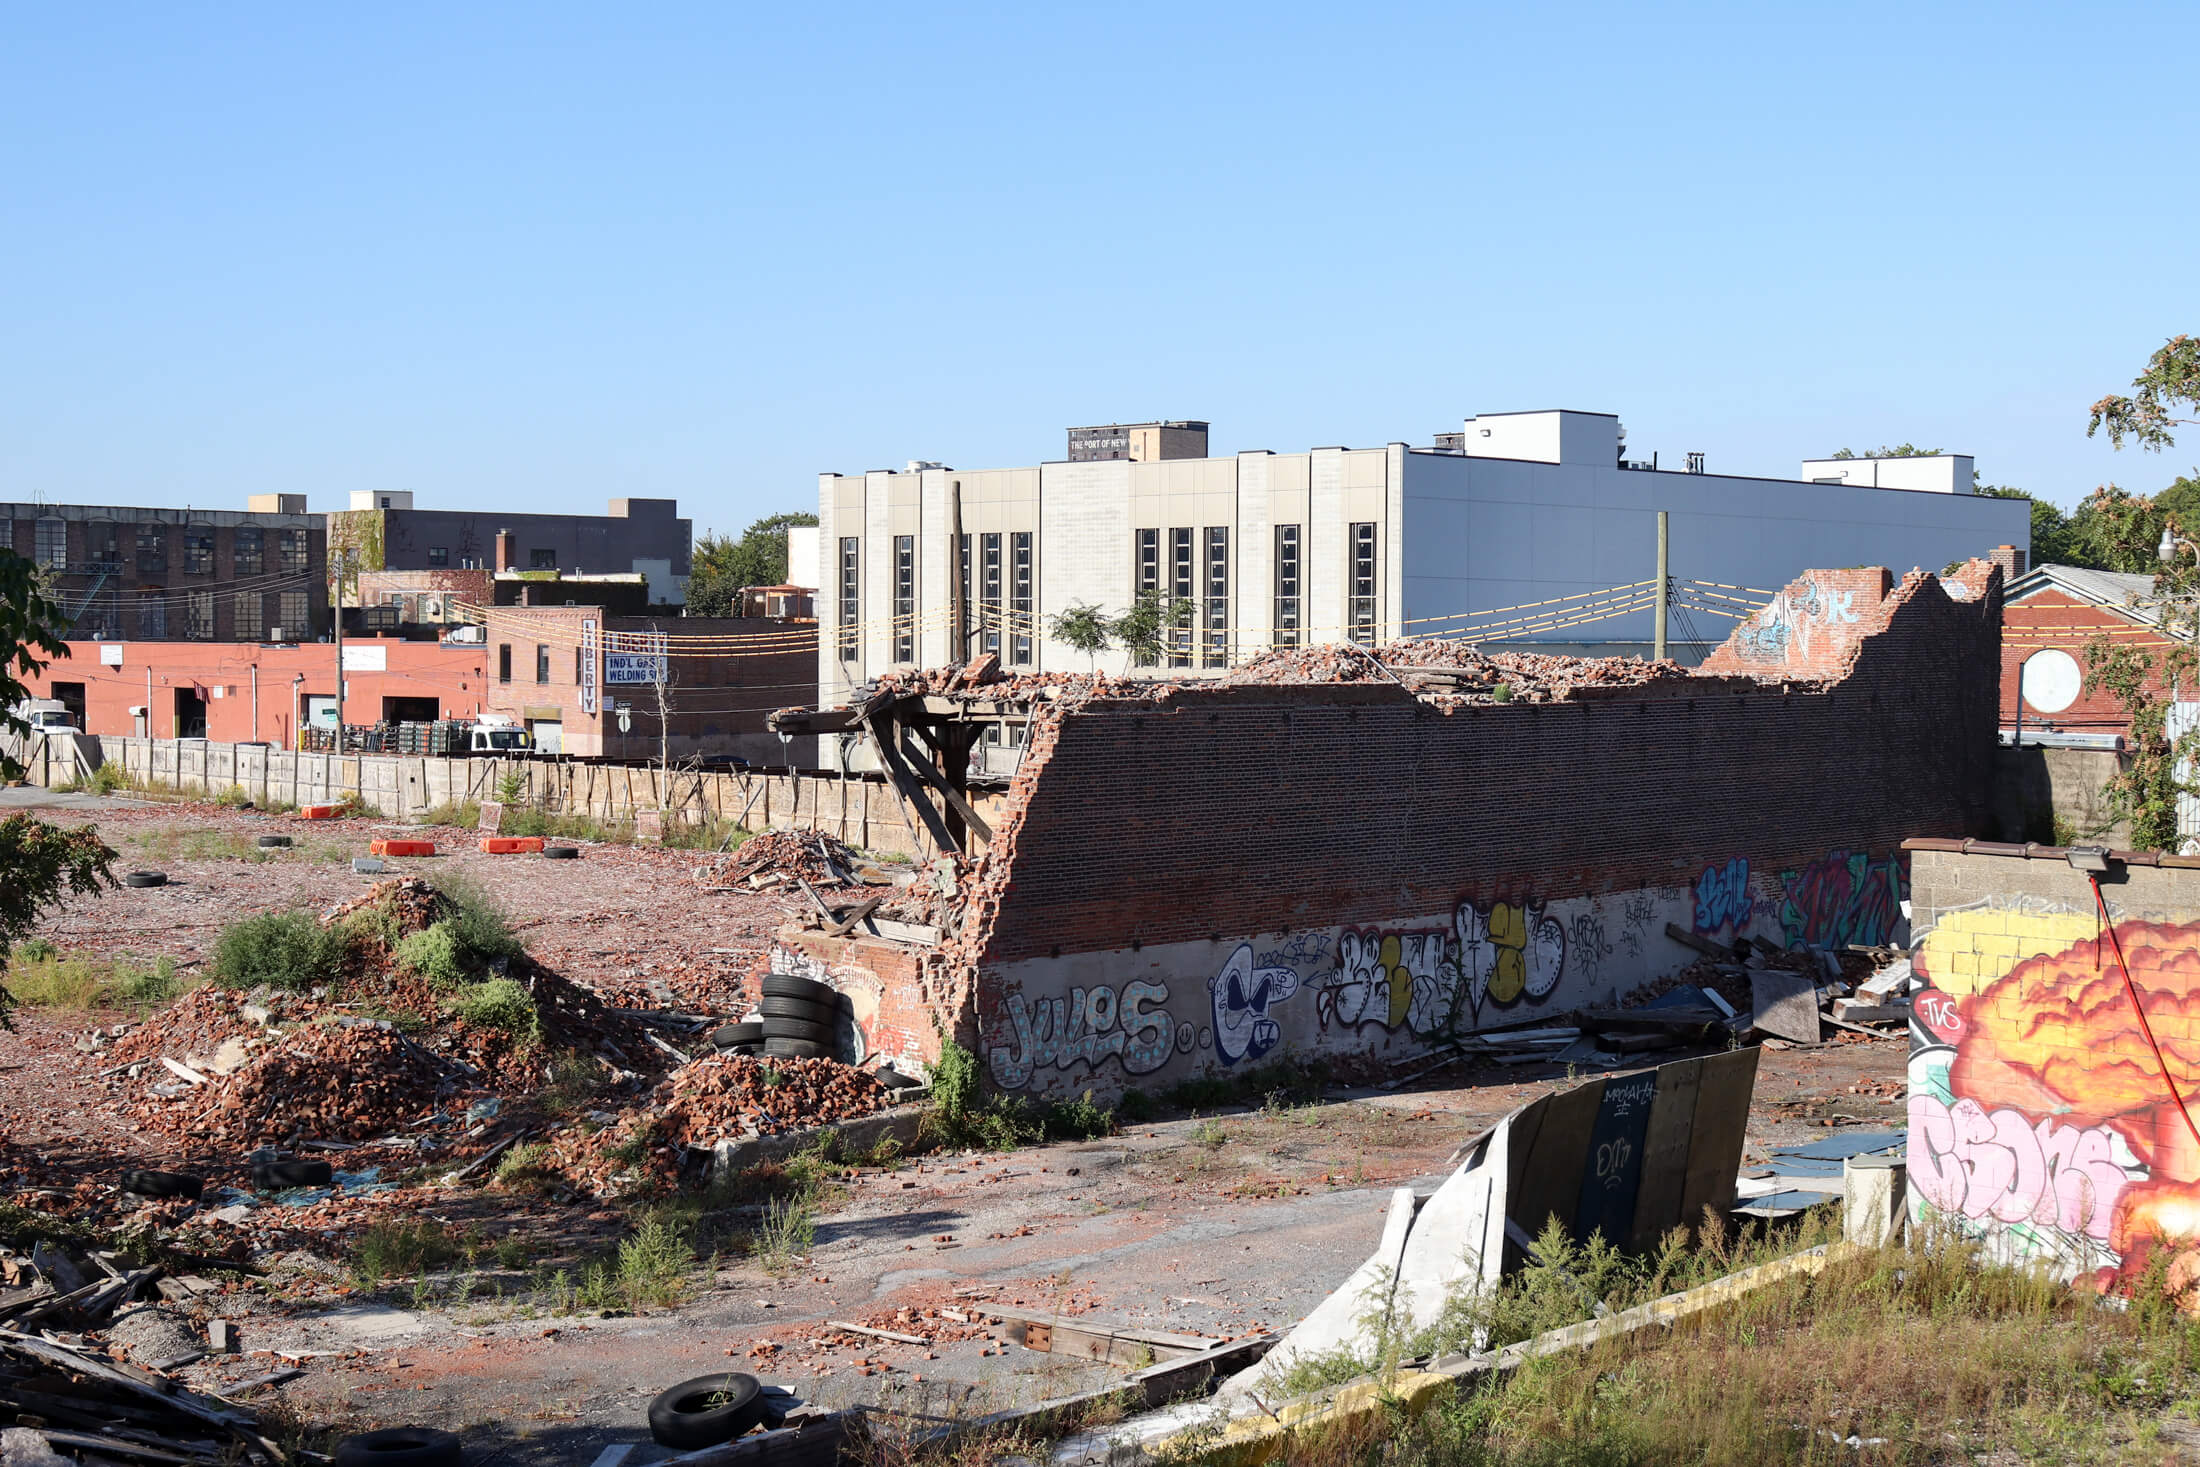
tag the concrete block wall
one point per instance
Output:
(2044, 1121)
(859, 811)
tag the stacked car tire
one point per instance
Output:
(801, 1017)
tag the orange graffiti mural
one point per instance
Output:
(2054, 1039)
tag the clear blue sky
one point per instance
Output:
(539, 256)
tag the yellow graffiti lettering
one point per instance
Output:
(1509, 934)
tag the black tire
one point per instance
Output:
(274, 1176)
(400, 1446)
(147, 1183)
(809, 1011)
(797, 1049)
(726, 1036)
(706, 1410)
(274, 842)
(143, 879)
(798, 1029)
(561, 853)
(786, 985)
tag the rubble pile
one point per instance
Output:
(730, 1095)
(334, 1083)
(1453, 671)
(779, 857)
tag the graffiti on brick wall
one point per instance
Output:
(2040, 1119)
(1243, 997)
(1785, 627)
(1433, 981)
(1087, 1026)
(1722, 896)
(1846, 897)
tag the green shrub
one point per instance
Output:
(956, 1080)
(148, 987)
(434, 953)
(400, 1249)
(501, 1004)
(478, 926)
(1136, 1107)
(279, 949)
(35, 950)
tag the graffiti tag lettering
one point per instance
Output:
(1088, 1026)
(1722, 896)
(1847, 897)
(1978, 1163)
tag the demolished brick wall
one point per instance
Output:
(1189, 881)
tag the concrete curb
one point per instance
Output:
(901, 1124)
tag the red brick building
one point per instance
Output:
(248, 691)
(2049, 614)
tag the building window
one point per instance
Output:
(51, 543)
(1362, 611)
(542, 559)
(198, 550)
(1147, 576)
(905, 598)
(295, 556)
(249, 550)
(152, 551)
(542, 663)
(244, 622)
(296, 625)
(439, 555)
(504, 662)
(1180, 593)
(199, 616)
(989, 592)
(103, 543)
(152, 617)
(1019, 598)
(1287, 586)
(851, 600)
(969, 593)
(1218, 596)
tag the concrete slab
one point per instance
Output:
(1786, 1004)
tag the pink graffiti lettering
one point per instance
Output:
(2001, 1164)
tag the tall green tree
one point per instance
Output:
(41, 865)
(722, 565)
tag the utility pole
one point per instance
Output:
(1664, 589)
(337, 624)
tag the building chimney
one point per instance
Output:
(2011, 560)
(507, 549)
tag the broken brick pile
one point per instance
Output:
(788, 855)
(725, 1096)
(336, 1084)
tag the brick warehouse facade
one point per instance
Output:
(2042, 1121)
(1195, 880)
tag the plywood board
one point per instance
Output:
(1551, 1181)
(1611, 1173)
(1665, 1152)
(1786, 1004)
(1722, 1118)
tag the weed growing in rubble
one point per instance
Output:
(576, 1081)
(465, 814)
(433, 952)
(280, 949)
(501, 1004)
(478, 925)
(525, 1169)
(40, 976)
(511, 787)
(399, 1250)
(1210, 1134)
(787, 1232)
(653, 1265)
(962, 1117)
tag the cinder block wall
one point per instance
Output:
(1343, 870)
(2042, 1120)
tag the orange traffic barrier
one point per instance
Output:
(401, 848)
(319, 812)
(511, 845)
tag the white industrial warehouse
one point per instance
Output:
(1523, 528)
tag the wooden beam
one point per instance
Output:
(931, 775)
(886, 739)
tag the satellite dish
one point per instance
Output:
(2051, 680)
